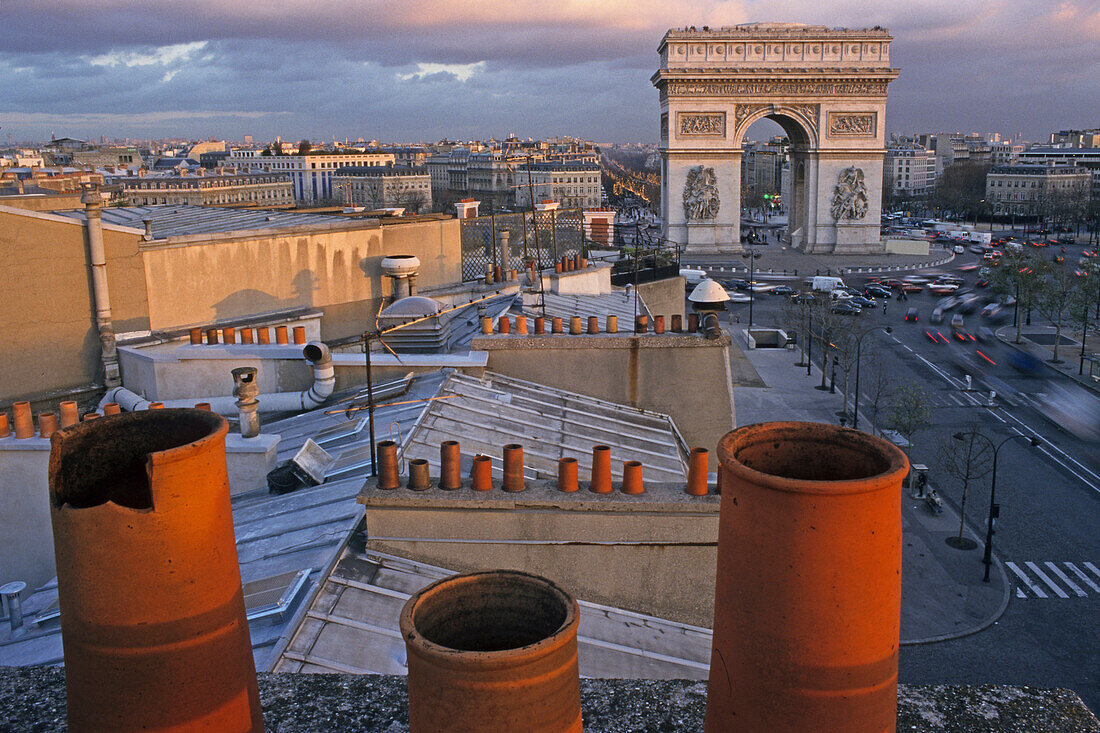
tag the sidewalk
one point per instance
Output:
(943, 596)
(780, 259)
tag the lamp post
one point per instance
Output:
(859, 345)
(752, 255)
(994, 508)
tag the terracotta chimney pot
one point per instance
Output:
(154, 639)
(23, 419)
(504, 325)
(632, 478)
(808, 597)
(229, 335)
(513, 467)
(601, 469)
(263, 335)
(280, 335)
(69, 413)
(195, 335)
(555, 324)
(658, 324)
(567, 474)
(211, 336)
(521, 325)
(47, 424)
(481, 473)
(300, 335)
(387, 465)
(5, 428)
(697, 472)
(492, 651)
(112, 408)
(677, 323)
(612, 324)
(419, 478)
(540, 325)
(450, 462)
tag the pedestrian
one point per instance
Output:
(885, 302)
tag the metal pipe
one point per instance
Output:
(324, 380)
(11, 593)
(97, 260)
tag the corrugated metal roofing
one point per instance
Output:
(182, 220)
(485, 414)
(352, 627)
(277, 536)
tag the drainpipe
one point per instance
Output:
(98, 261)
(324, 380)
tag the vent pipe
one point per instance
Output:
(404, 270)
(246, 390)
(97, 260)
(13, 601)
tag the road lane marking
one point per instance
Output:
(1027, 581)
(1065, 579)
(1083, 577)
(1046, 443)
(1092, 567)
(1046, 579)
(1020, 593)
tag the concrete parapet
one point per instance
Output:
(652, 553)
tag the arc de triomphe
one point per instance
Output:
(826, 87)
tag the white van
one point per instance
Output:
(692, 277)
(826, 284)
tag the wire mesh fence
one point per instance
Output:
(540, 236)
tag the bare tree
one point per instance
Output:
(1054, 291)
(880, 389)
(1086, 297)
(796, 318)
(966, 460)
(1017, 276)
(909, 413)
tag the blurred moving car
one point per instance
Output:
(844, 308)
(937, 315)
(911, 315)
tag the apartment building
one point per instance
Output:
(311, 174)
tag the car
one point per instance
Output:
(911, 288)
(862, 302)
(981, 283)
(839, 294)
(958, 249)
(942, 288)
(957, 321)
(962, 334)
(877, 291)
(985, 334)
(950, 280)
(844, 308)
(911, 315)
(937, 315)
(734, 283)
(802, 297)
(782, 290)
(736, 297)
(992, 310)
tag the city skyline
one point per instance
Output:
(426, 70)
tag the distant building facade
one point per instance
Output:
(1031, 190)
(384, 187)
(207, 189)
(1084, 158)
(311, 174)
(573, 185)
(909, 172)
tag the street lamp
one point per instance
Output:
(752, 255)
(859, 345)
(994, 508)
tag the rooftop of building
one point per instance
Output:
(1037, 169)
(381, 171)
(185, 220)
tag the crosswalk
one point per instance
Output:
(1054, 580)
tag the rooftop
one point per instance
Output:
(183, 220)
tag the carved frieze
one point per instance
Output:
(850, 195)
(664, 126)
(700, 197)
(754, 88)
(744, 111)
(701, 123)
(852, 124)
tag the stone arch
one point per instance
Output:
(799, 122)
(826, 87)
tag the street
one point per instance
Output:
(1049, 495)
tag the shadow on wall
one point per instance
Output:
(250, 302)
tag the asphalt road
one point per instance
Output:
(1049, 499)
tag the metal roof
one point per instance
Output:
(285, 544)
(351, 627)
(182, 220)
(485, 414)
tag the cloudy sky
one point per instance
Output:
(410, 70)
